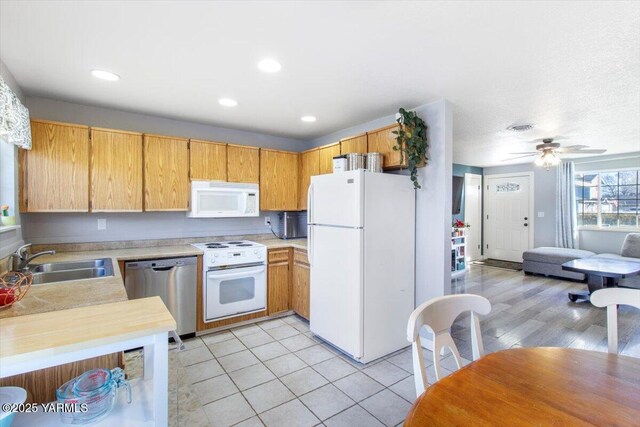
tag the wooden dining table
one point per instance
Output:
(535, 386)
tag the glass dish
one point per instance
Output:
(94, 394)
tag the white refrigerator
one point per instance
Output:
(362, 256)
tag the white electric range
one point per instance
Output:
(234, 278)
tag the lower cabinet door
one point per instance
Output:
(278, 287)
(300, 297)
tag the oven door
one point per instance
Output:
(234, 291)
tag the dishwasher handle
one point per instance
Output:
(163, 268)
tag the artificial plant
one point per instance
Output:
(411, 141)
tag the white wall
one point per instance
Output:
(433, 201)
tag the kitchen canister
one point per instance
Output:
(374, 162)
(355, 161)
(340, 163)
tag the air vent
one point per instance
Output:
(520, 127)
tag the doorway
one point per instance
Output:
(473, 215)
(508, 218)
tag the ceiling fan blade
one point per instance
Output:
(527, 152)
(520, 157)
(588, 151)
(571, 148)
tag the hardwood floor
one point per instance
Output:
(534, 311)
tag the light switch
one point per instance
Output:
(102, 223)
(540, 214)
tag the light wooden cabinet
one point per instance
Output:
(116, 171)
(207, 160)
(278, 180)
(309, 166)
(243, 164)
(278, 282)
(382, 141)
(166, 173)
(355, 144)
(325, 157)
(300, 295)
(54, 174)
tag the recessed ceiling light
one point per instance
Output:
(105, 75)
(521, 127)
(227, 102)
(269, 65)
(308, 119)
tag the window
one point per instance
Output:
(608, 199)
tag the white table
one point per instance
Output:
(38, 341)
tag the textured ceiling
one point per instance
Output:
(572, 68)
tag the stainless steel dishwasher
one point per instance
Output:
(174, 280)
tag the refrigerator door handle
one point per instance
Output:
(310, 245)
(309, 207)
(309, 226)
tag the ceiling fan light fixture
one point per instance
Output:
(547, 160)
(520, 127)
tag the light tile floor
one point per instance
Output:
(277, 373)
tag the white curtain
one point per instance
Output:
(15, 127)
(566, 217)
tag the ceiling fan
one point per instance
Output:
(548, 152)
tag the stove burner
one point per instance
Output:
(235, 243)
(216, 246)
(244, 244)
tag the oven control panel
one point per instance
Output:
(221, 258)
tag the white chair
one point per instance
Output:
(438, 315)
(611, 298)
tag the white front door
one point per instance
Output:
(473, 214)
(508, 216)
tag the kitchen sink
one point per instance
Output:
(74, 265)
(76, 270)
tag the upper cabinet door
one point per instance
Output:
(208, 160)
(243, 164)
(116, 171)
(166, 173)
(309, 166)
(355, 144)
(382, 141)
(55, 172)
(278, 180)
(326, 155)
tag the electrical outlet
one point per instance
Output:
(102, 223)
(267, 221)
(540, 214)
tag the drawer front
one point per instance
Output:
(278, 255)
(300, 256)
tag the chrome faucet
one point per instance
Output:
(20, 259)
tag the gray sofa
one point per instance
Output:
(548, 261)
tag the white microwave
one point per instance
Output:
(213, 199)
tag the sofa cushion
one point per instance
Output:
(631, 246)
(555, 255)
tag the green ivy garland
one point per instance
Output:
(411, 141)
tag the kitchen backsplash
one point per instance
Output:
(41, 228)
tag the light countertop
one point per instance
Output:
(88, 292)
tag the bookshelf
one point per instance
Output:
(458, 252)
